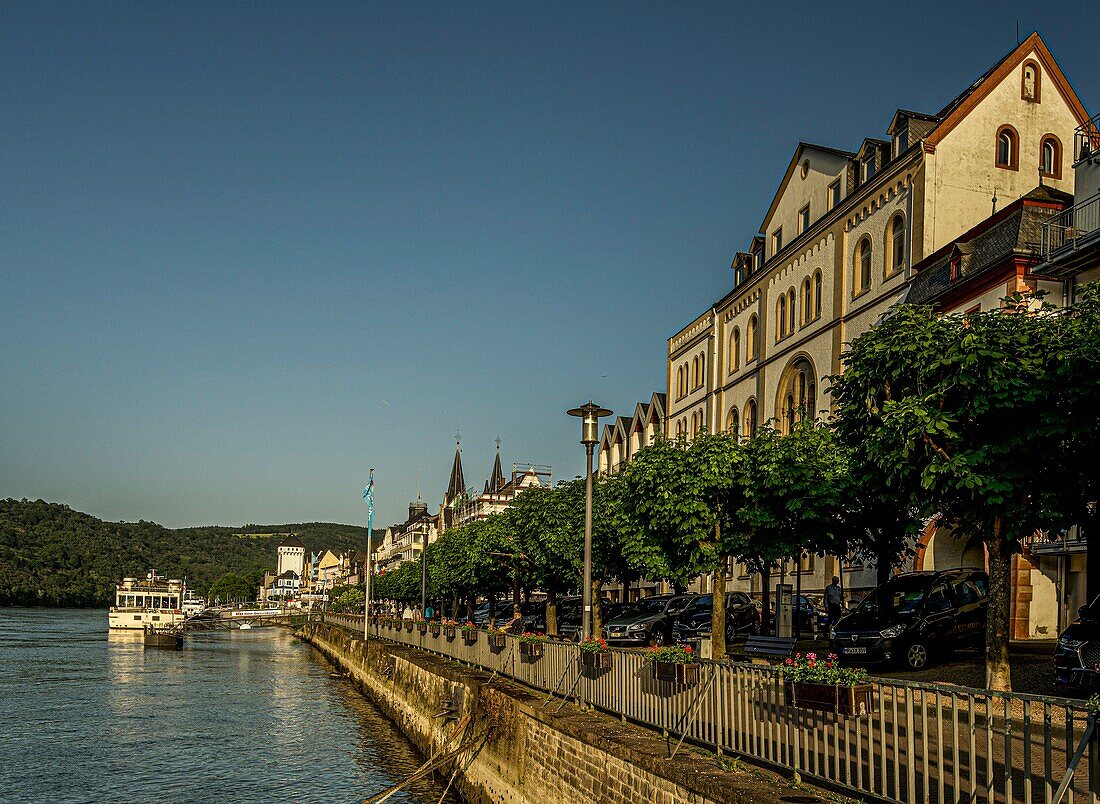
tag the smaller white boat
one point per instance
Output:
(246, 626)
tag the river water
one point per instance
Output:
(242, 716)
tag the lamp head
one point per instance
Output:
(590, 415)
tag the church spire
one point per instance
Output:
(496, 477)
(456, 488)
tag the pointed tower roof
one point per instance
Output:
(496, 477)
(456, 487)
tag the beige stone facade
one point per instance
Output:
(837, 247)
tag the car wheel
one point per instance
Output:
(916, 656)
(657, 638)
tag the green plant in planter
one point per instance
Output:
(672, 654)
(469, 628)
(529, 637)
(809, 669)
(593, 645)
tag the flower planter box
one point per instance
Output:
(435, 630)
(422, 627)
(497, 641)
(676, 672)
(449, 631)
(409, 626)
(858, 700)
(532, 649)
(470, 636)
(596, 661)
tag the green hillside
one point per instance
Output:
(51, 555)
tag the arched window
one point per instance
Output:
(733, 422)
(735, 350)
(750, 418)
(797, 394)
(694, 373)
(790, 311)
(807, 301)
(753, 347)
(702, 370)
(1050, 157)
(781, 317)
(680, 381)
(1008, 148)
(897, 244)
(817, 295)
(1030, 82)
(863, 265)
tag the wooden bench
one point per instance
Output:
(766, 647)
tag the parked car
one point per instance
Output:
(647, 621)
(1077, 657)
(569, 616)
(915, 616)
(742, 617)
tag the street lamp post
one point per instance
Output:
(590, 415)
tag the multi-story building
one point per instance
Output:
(838, 245)
(625, 435)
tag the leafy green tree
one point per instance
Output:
(972, 411)
(795, 489)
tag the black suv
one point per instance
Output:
(647, 621)
(742, 617)
(1077, 658)
(913, 616)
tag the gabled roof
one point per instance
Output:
(902, 114)
(961, 105)
(802, 148)
(292, 541)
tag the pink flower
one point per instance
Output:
(833, 656)
(811, 656)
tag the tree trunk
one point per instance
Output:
(517, 599)
(454, 606)
(1092, 555)
(470, 599)
(997, 675)
(597, 609)
(718, 612)
(765, 601)
(551, 613)
(883, 567)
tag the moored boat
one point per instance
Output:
(152, 600)
(163, 638)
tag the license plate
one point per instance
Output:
(855, 650)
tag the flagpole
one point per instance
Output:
(368, 495)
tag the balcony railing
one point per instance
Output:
(1086, 140)
(1066, 230)
(1054, 544)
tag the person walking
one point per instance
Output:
(834, 601)
(429, 612)
(407, 614)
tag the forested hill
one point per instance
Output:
(51, 555)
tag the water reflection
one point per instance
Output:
(239, 716)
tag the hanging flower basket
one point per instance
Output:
(449, 630)
(858, 700)
(596, 662)
(825, 686)
(435, 627)
(675, 663)
(422, 627)
(685, 674)
(409, 626)
(530, 644)
(497, 640)
(469, 632)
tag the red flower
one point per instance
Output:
(688, 648)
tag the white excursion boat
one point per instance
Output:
(152, 600)
(192, 603)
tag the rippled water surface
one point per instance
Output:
(246, 716)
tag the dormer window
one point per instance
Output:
(868, 167)
(901, 142)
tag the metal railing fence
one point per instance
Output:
(921, 742)
(1069, 227)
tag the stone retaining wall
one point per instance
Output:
(525, 752)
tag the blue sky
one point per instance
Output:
(251, 250)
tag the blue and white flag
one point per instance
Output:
(368, 496)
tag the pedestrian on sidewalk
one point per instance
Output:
(407, 614)
(834, 601)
